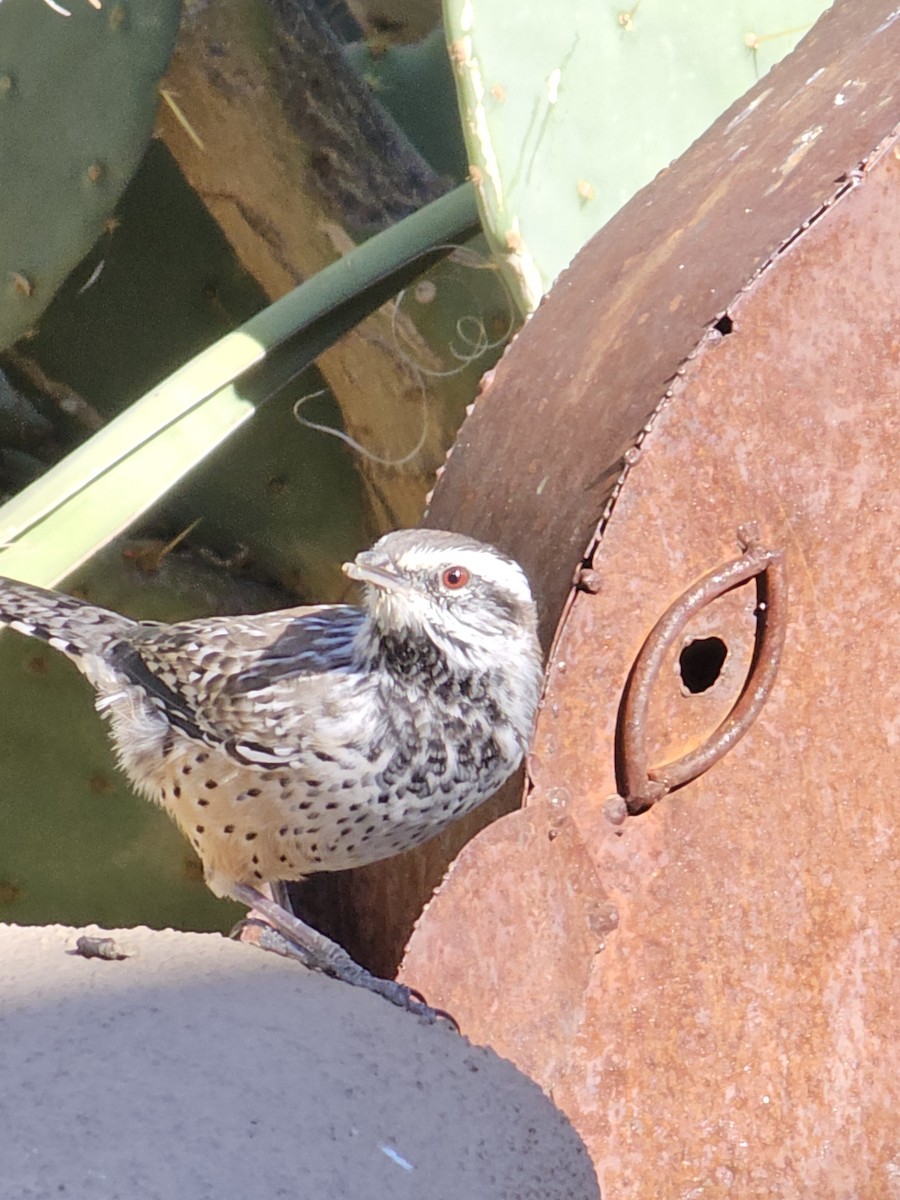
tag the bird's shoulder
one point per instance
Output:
(238, 649)
(215, 677)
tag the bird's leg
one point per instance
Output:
(296, 939)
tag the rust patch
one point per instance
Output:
(532, 871)
(536, 461)
(738, 1031)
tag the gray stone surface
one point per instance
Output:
(199, 1067)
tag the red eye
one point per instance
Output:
(455, 578)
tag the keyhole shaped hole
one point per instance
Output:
(700, 663)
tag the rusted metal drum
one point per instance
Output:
(690, 935)
(535, 464)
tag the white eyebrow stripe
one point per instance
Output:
(496, 570)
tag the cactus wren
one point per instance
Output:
(319, 738)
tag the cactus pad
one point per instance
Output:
(569, 109)
(78, 98)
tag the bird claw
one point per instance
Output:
(258, 932)
(246, 925)
(438, 1014)
(410, 999)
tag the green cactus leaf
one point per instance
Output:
(78, 96)
(570, 109)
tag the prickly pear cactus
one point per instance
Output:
(78, 97)
(415, 84)
(569, 109)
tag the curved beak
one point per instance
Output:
(378, 575)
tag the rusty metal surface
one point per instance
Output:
(709, 989)
(643, 785)
(535, 462)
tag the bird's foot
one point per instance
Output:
(273, 928)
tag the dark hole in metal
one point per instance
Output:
(700, 663)
(724, 324)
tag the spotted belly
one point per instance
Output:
(252, 824)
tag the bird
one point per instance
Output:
(320, 737)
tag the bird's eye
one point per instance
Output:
(455, 578)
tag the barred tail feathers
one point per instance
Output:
(71, 626)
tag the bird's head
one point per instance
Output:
(471, 601)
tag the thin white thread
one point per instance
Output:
(477, 340)
(352, 442)
(470, 330)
